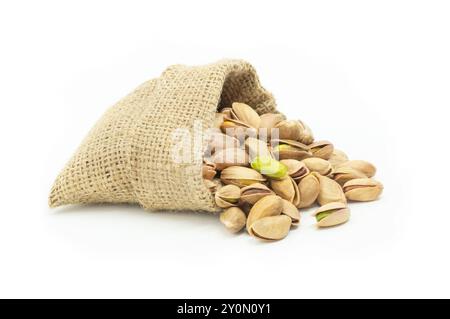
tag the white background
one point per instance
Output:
(372, 76)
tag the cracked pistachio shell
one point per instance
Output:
(253, 193)
(272, 227)
(256, 148)
(226, 111)
(233, 218)
(296, 169)
(270, 205)
(240, 176)
(209, 170)
(330, 190)
(218, 120)
(309, 188)
(306, 134)
(219, 141)
(236, 129)
(288, 149)
(337, 157)
(230, 157)
(322, 149)
(344, 174)
(269, 167)
(227, 196)
(290, 210)
(246, 114)
(364, 167)
(332, 214)
(287, 189)
(319, 165)
(363, 189)
(289, 130)
(270, 120)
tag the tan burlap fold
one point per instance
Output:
(126, 156)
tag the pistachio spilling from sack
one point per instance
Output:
(253, 193)
(332, 214)
(263, 168)
(228, 196)
(233, 218)
(363, 189)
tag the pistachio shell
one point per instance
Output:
(286, 188)
(306, 135)
(322, 149)
(230, 157)
(289, 130)
(270, 120)
(368, 169)
(288, 149)
(272, 227)
(226, 111)
(344, 174)
(219, 141)
(218, 120)
(246, 114)
(240, 176)
(237, 129)
(309, 188)
(296, 169)
(337, 157)
(227, 196)
(208, 171)
(270, 167)
(213, 185)
(233, 218)
(290, 210)
(332, 214)
(270, 205)
(330, 190)
(252, 193)
(363, 189)
(319, 165)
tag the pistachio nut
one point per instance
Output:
(256, 148)
(233, 218)
(272, 227)
(213, 185)
(227, 196)
(306, 134)
(322, 149)
(270, 205)
(290, 210)
(218, 141)
(289, 130)
(296, 169)
(236, 128)
(226, 111)
(330, 190)
(208, 171)
(246, 114)
(270, 167)
(332, 214)
(286, 188)
(229, 157)
(309, 188)
(319, 165)
(344, 174)
(288, 149)
(337, 157)
(364, 167)
(240, 176)
(270, 120)
(253, 193)
(363, 189)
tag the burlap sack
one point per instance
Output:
(126, 159)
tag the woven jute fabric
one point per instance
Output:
(126, 156)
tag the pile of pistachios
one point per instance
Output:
(264, 169)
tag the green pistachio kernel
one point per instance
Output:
(270, 167)
(322, 215)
